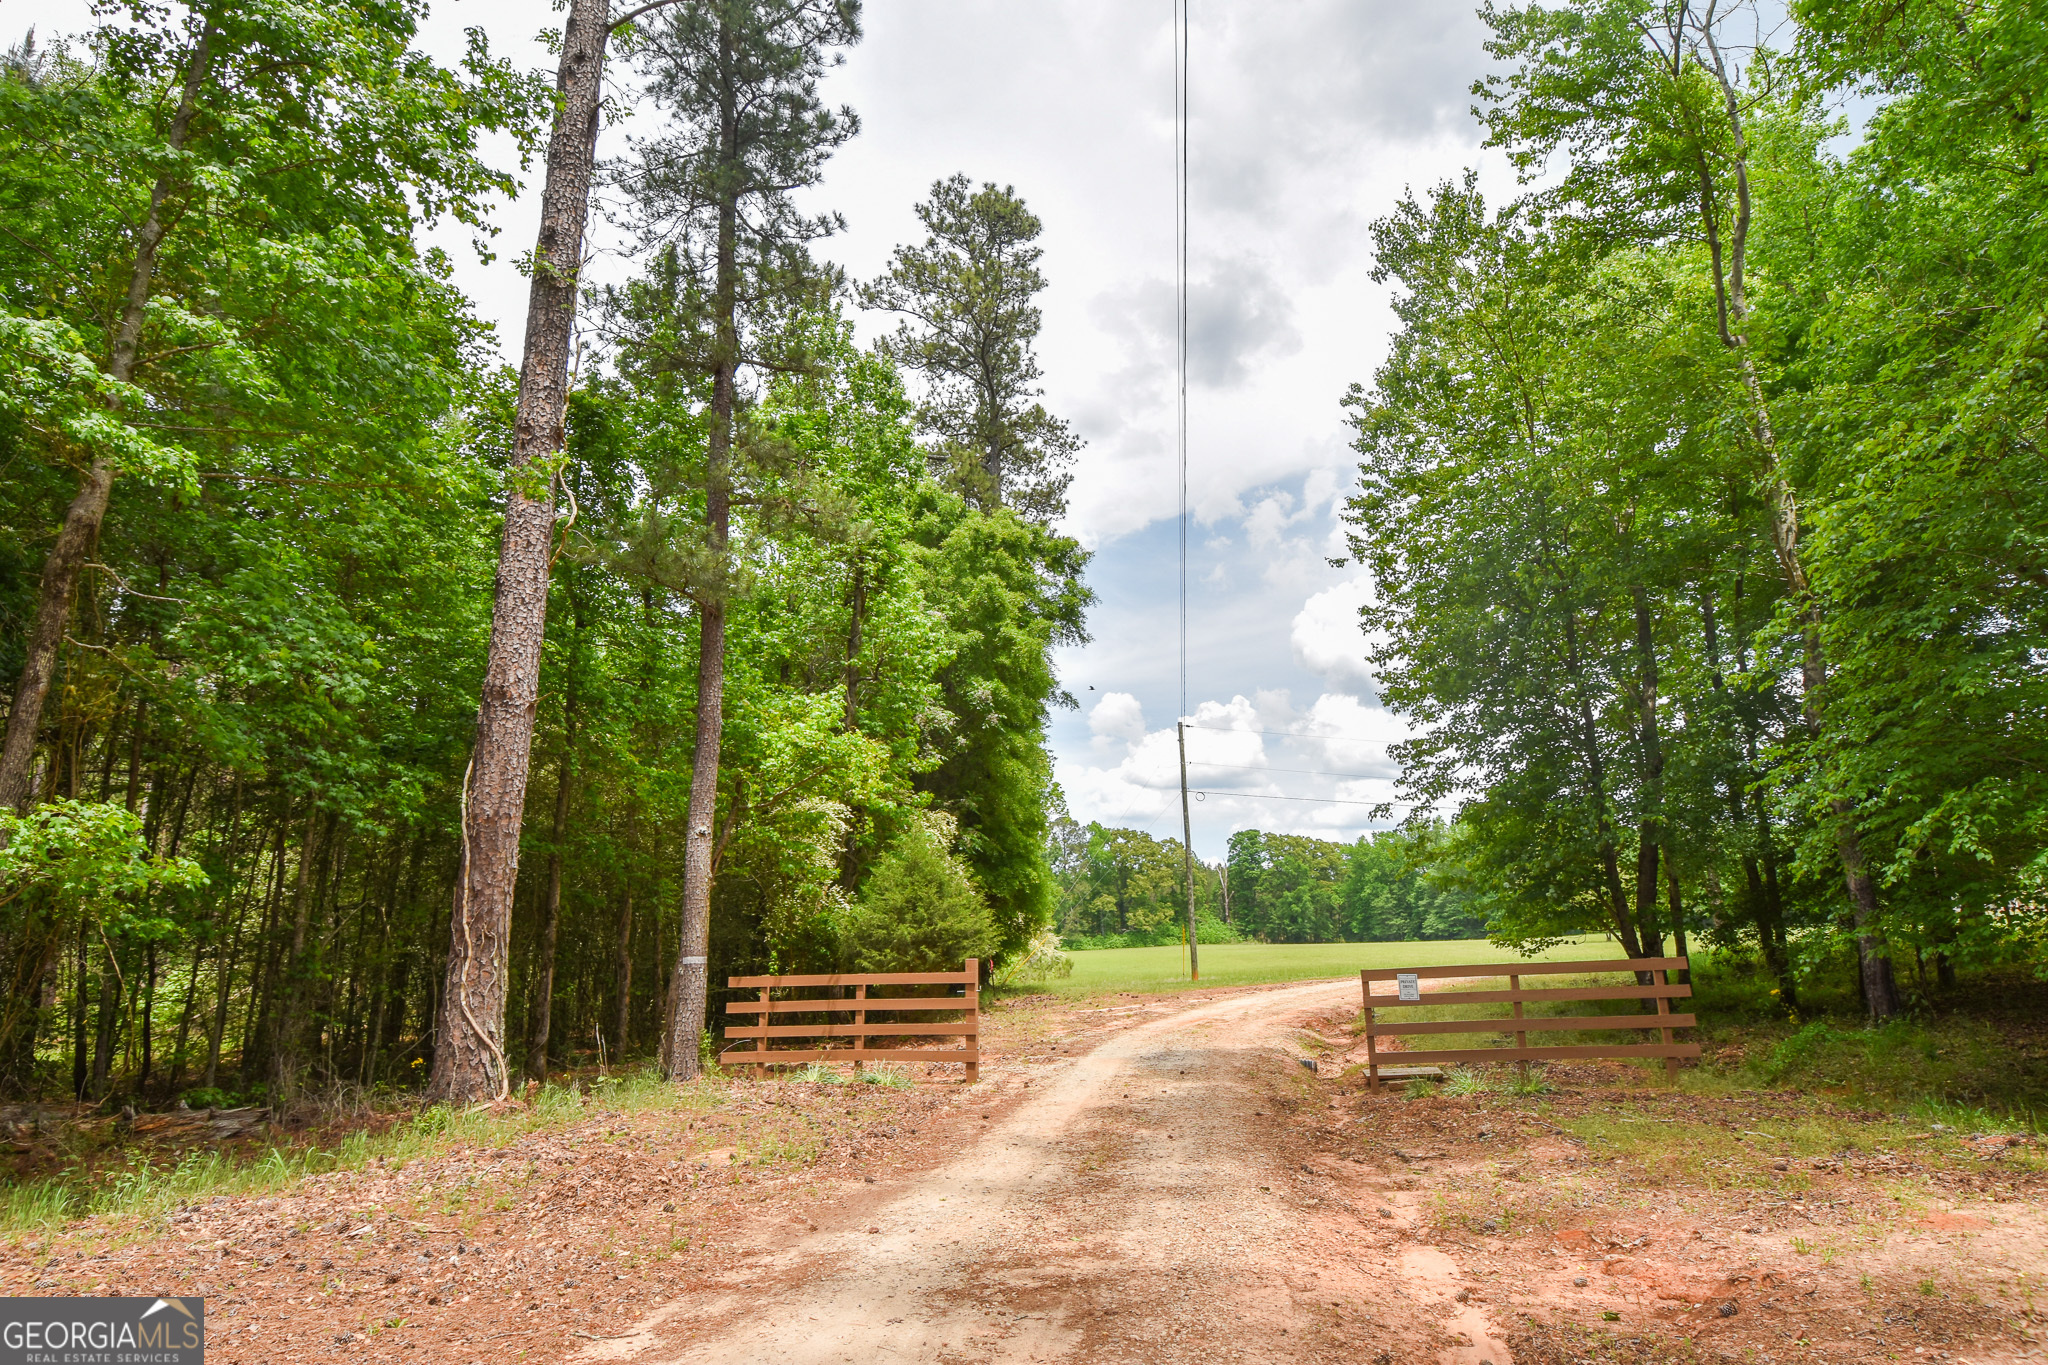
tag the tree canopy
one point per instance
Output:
(239, 858)
(1694, 487)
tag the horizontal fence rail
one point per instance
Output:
(861, 1028)
(1659, 988)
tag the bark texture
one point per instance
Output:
(284, 1057)
(469, 1051)
(550, 919)
(689, 985)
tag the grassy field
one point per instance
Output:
(1104, 970)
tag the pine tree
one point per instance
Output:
(967, 295)
(739, 79)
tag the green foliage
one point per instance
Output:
(89, 856)
(1395, 885)
(274, 657)
(1119, 884)
(1011, 591)
(920, 910)
(1703, 531)
(967, 295)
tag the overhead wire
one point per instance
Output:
(1180, 301)
(1181, 81)
(1297, 734)
(1320, 800)
(1305, 772)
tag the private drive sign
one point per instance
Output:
(124, 1331)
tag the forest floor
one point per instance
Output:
(1142, 1178)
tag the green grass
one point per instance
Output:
(1154, 970)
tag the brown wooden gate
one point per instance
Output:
(1662, 989)
(859, 1029)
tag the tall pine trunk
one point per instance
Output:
(469, 1050)
(291, 1016)
(688, 991)
(622, 958)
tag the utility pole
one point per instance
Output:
(1180, 253)
(1187, 848)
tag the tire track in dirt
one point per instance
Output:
(1146, 1202)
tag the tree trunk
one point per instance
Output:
(80, 985)
(688, 994)
(689, 989)
(1875, 969)
(1596, 776)
(148, 989)
(469, 1055)
(223, 983)
(1650, 832)
(263, 965)
(1874, 964)
(110, 1014)
(285, 1031)
(622, 963)
(88, 508)
(551, 903)
(857, 603)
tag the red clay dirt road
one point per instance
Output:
(1142, 1201)
(1143, 1178)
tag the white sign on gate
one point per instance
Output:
(1410, 988)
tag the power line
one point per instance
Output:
(1306, 772)
(1181, 77)
(1297, 734)
(1320, 800)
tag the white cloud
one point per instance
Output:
(1257, 762)
(1269, 519)
(1327, 639)
(1116, 720)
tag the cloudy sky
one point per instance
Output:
(1309, 118)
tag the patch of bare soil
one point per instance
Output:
(1140, 1179)
(1618, 1221)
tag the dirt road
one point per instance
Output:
(1143, 1201)
(1137, 1178)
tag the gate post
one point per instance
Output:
(1372, 1056)
(1663, 978)
(973, 993)
(860, 1018)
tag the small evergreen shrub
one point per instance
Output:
(920, 910)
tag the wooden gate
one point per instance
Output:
(860, 1028)
(1662, 990)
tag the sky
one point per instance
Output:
(1308, 120)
